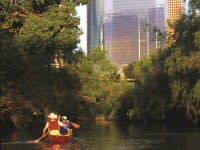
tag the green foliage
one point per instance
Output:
(100, 83)
(35, 33)
(129, 70)
(169, 79)
(184, 77)
(82, 1)
(148, 98)
(194, 5)
(32, 35)
(51, 36)
(187, 28)
(197, 40)
(196, 91)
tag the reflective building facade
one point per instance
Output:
(94, 24)
(130, 30)
(120, 37)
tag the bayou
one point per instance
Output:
(42, 71)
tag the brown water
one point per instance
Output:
(109, 136)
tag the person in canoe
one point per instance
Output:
(65, 128)
(53, 124)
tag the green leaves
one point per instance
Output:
(196, 92)
(197, 40)
(99, 82)
(38, 40)
(168, 81)
(194, 6)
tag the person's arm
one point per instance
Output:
(59, 117)
(45, 128)
(60, 123)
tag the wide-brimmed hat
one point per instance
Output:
(64, 117)
(52, 116)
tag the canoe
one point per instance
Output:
(56, 137)
(59, 138)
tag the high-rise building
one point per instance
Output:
(175, 9)
(95, 24)
(130, 31)
(120, 36)
(123, 6)
(156, 23)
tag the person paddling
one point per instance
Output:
(64, 129)
(53, 124)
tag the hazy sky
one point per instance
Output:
(82, 13)
(108, 5)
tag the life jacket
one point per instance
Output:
(66, 125)
(64, 129)
(53, 125)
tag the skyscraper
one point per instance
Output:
(175, 10)
(123, 6)
(95, 24)
(129, 29)
(120, 36)
(129, 32)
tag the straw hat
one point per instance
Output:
(52, 116)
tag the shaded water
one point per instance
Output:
(109, 136)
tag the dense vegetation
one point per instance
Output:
(42, 70)
(167, 84)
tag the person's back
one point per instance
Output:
(52, 125)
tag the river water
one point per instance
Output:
(109, 136)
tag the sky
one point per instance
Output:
(108, 4)
(82, 13)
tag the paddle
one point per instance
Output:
(41, 137)
(75, 125)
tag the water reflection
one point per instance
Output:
(56, 147)
(74, 145)
(111, 136)
(43, 145)
(135, 137)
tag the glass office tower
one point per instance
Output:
(130, 30)
(120, 36)
(95, 24)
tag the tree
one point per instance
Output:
(148, 98)
(98, 80)
(167, 82)
(33, 34)
(182, 65)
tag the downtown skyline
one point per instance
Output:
(153, 15)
